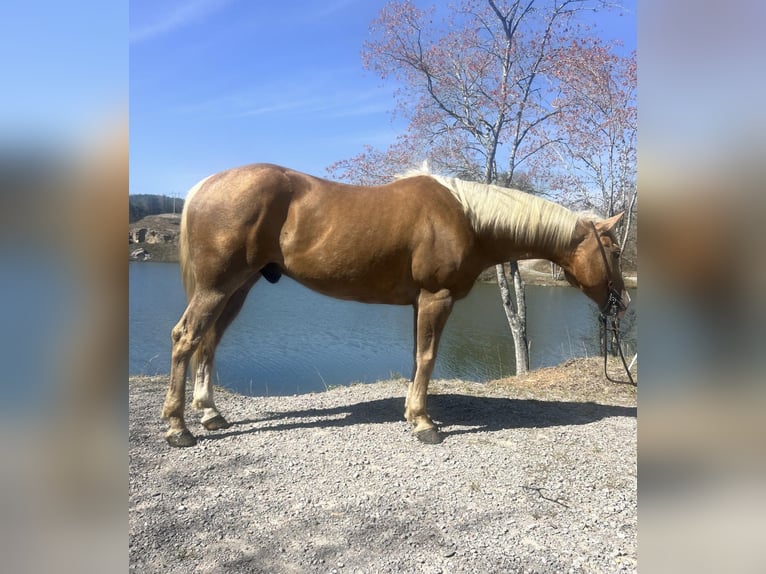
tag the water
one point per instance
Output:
(288, 339)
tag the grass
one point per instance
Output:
(579, 379)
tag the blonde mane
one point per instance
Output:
(528, 219)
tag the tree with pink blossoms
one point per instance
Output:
(592, 163)
(479, 83)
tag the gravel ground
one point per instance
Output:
(535, 474)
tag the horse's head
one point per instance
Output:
(595, 265)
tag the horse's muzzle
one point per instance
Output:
(625, 300)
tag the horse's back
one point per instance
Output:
(377, 244)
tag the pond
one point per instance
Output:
(288, 339)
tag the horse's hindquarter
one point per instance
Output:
(379, 245)
(235, 218)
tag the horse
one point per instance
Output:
(421, 240)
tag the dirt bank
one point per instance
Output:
(535, 474)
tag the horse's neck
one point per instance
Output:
(503, 248)
(514, 225)
(549, 239)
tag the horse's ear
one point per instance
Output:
(607, 224)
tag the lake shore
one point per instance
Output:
(535, 473)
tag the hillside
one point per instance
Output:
(154, 238)
(141, 205)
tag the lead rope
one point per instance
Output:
(616, 332)
(610, 309)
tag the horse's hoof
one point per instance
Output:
(181, 438)
(216, 423)
(429, 436)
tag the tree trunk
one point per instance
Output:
(628, 217)
(516, 312)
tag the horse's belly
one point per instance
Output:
(363, 290)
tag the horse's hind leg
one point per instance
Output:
(202, 311)
(203, 400)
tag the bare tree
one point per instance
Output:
(476, 85)
(593, 163)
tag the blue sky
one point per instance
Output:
(220, 83)
(64, 65)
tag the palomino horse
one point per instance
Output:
(421, 240)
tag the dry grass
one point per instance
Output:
(577, 379)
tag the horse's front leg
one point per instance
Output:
(432, 312)
(414, 357)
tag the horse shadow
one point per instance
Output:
(455, 414)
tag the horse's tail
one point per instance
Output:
(187, 273)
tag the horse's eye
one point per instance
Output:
(616, 251)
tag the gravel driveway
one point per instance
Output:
(335, 482)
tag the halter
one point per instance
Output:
(612, 306)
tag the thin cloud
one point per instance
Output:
(361, 108)
(339, 105)
(184, 15)
(245, 104)
(308, 106)
(262, 102)
(330, 8)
